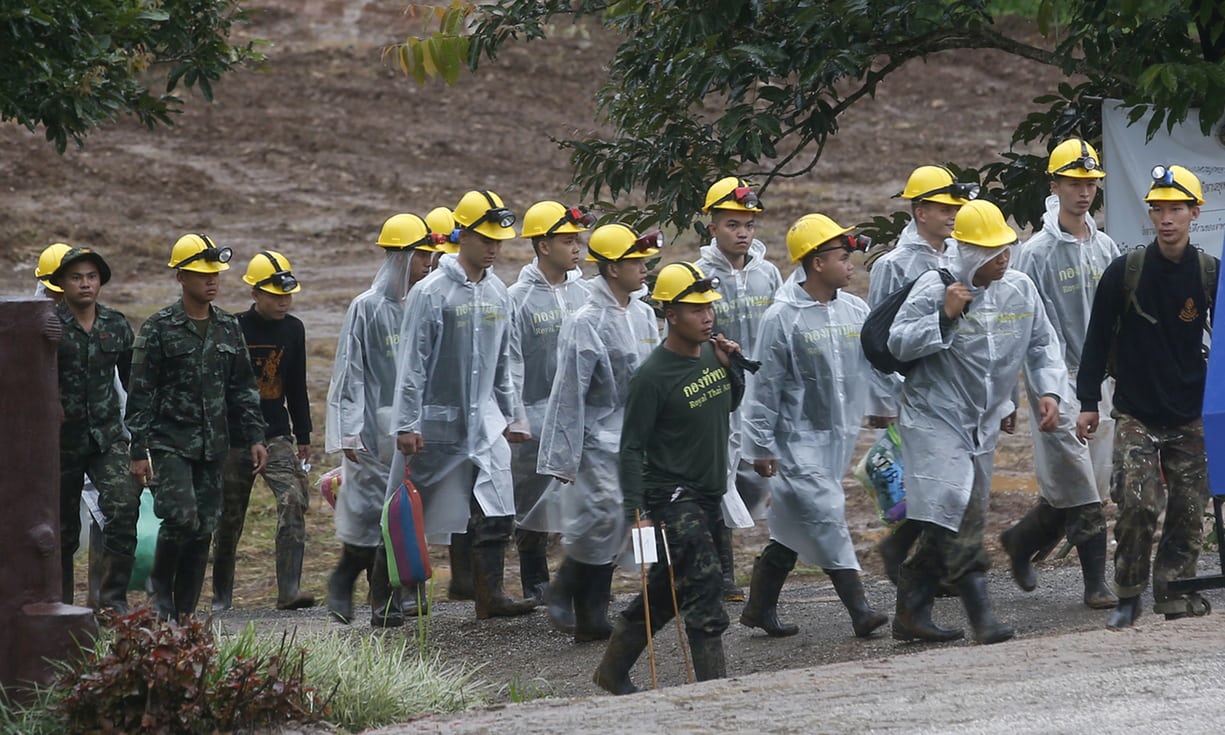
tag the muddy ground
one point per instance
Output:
(309, 152)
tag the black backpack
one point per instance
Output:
(874, 335)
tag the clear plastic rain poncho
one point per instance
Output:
(600, 348)
(804, 408)
(954, 398)
(747, 293)
(538, 309)
(360, 397)
(454, 387)
(1066, 271)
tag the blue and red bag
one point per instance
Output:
(403, 523)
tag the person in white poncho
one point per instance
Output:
(802, 414)
(971, 339)
(600, 347)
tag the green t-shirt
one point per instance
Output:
(674, 433)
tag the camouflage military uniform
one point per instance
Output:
(1142, 456)
(92, 437)
(182, 383)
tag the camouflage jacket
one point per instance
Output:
(182, 385)
(87, 364)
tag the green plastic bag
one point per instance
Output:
(147, 526)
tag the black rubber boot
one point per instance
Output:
(161, 576)
(624, 647)
(912, 620)
(560, 602)
(533, 563)
(894, 547)
(460, 551)
(1036, 529)
(770, 570)
(223, 576)
(415, 600)
(353, 561)
(727, 560)
(488, 562)
(707, 653)
(973, 588)
(189, 579)
(288, 576)
(66, 582)
(115, 571)
(384, 599)
(94, 569)
(591, 603)
(849, 586)
(1125, 613)
(1092, 555)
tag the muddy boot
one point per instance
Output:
(770, 570)
(161, 576)
(488, 561)
(415, 601)
(1032, 533)
(1092, 555)
(591, 603)
(560, 602)
(353, 561)
(97, 555)
(288, 576)
(624, 647)
(189, 578)
(848, 585)
(727, 560)
(912, 620)
(707, 653)
(533, 563)
(115, 570)
(384, 599)
(894, 547)
(1125, 613)
(460, 551)
(973, 588)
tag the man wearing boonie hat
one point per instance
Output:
(971, 339)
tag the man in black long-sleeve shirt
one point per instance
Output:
(276, 342)
(1156, 329)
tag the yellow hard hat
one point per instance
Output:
(734, 194)
(1174, 184)
(441, 222)
(49, 262)
(408, 232)
(198, 253)
(270, 271)
(1075, 159)
(72, 255)
(484, 212)
(685, 283)
(616, 242)
(936, 184)
(982, 223)
(810, 232)
(546, 219)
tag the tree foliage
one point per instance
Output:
(700, 88)
(69, 66)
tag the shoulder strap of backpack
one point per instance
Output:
(1208, 279)
(1131, 282)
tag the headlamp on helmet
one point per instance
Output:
(576, 216)
(616, 242)
(742, 195)
(1165, 177)
(1074, 158)
(958, 190)
(218, 258)
(500, 216)
(732, 193)
(850, 243)
(702, 285)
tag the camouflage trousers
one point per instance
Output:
(284, 477)
(950, 555)
(1143, 456)
(118, 495)
(186, 495)
(1079, 523)
(691, 524)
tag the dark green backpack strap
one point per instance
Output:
(1208, 278)
(1131, 283)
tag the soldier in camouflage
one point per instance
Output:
(97, 342)
(189, 368)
